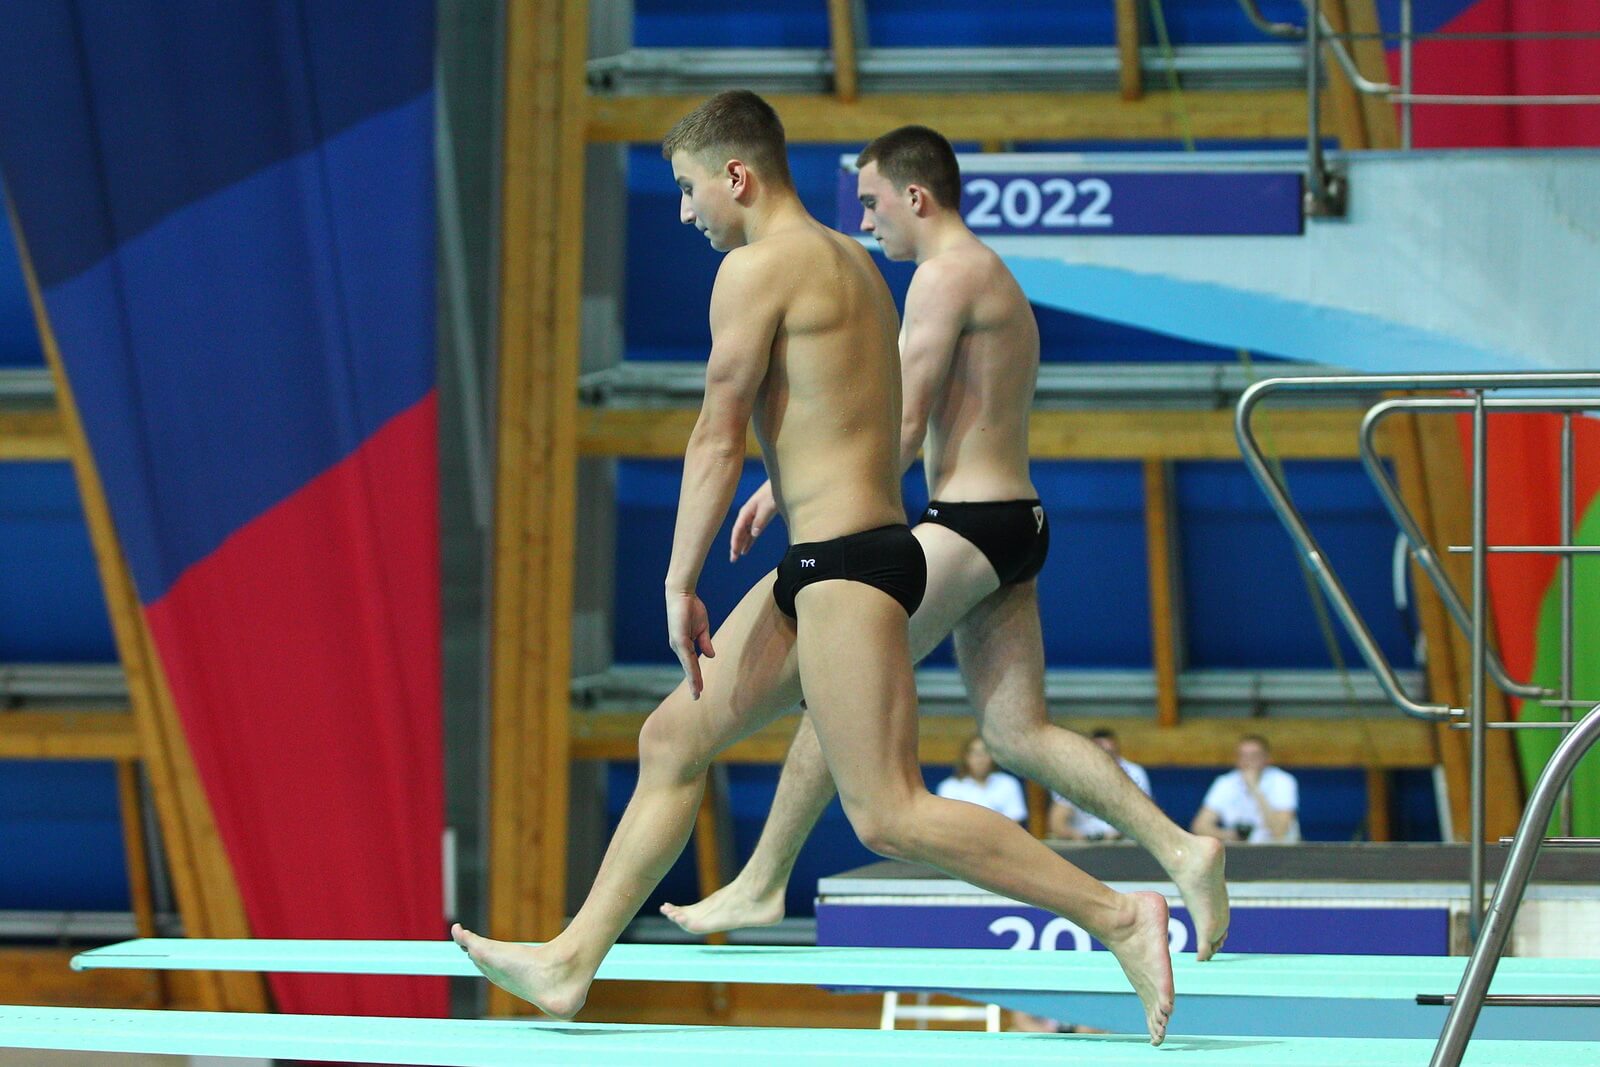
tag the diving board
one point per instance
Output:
(503, 1043)
(1353, 977)
(1372, 996)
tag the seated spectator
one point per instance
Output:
(1255, 802)
(1069, 823)
(977, 781)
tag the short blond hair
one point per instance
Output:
(734, 124)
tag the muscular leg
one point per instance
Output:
(958, 577)
(1001, 653)
(855, 667)
(750, 682)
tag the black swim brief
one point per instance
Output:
(1013, 535)
(888, 558)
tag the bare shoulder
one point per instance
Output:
(954, 276)
(751, 269)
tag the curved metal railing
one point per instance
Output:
(1508, 892)
(1277, 494)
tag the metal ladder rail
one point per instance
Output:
(1483, 655)
(1421, 550)
(1277, 495)
(1510, 889)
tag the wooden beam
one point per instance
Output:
(1311, 433)
(1277, 113)
(1449, 496)
(202, 876)
(68, 735)
(842, 43)
(135, 848)
(1038, 808)
(542, 208)
(1391, 743)
(1378, 794)
(44, 977)
(1347, 106)
(1166, 623)
(1130, 66)
(1438, 631)
(33, 435)
(1364, 121)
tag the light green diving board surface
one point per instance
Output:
(468, 1043)
(1327, 996)
(1230, 974)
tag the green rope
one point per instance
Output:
(1319, 603)
(1180, 105)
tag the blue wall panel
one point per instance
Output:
(51, 605)
(19, 341)
(1247, 602)
(61, 838)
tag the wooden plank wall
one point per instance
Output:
(541, 257)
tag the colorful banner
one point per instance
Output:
(229, 210)
(1524, 500)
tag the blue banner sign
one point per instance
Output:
(1375, 931)
(1117, 203)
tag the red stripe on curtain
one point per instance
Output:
(309, 635)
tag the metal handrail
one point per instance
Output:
(1421, 550)
(1509, 891)
(1324, 32)
(1306, 543)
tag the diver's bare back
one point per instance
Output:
(828, 412)
(977, 442)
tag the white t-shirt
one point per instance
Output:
(1088, 825)
(999, 792)
(1236, 808)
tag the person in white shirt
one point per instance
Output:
(1070, 823)
(1255, 802)
(977, 781)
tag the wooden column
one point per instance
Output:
(1364, 121)
(137, 850)
(1433, 480)
(541, 263)
(1378, 794)
(1166, 602)
(1038, 808)
(842, 39)
(1131, 70)
(208, 896)
(134, 846)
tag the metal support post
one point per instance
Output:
(1480, 620)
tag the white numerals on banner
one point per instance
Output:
(1049, 939)
(1022, 203)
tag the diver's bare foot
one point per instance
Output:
(729, 908)
(1141, 947)
(1200, 879)
(554, 985)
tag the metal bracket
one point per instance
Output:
(1327, 189)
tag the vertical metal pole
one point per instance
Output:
(1405, 72)
(1566, 601)
(1315, 177)
(1508, 893)
(1480, 622)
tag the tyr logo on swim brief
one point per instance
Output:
(1038, 520)
(808, 563)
